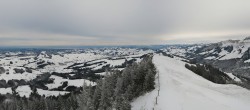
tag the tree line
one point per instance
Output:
(210, 73)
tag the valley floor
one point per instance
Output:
(181, 89)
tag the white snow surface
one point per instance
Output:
(59, 81)
(233, 77)
(12, 75)
(26, 91)
(47, 93)
(210, 58)
(175, 51)
(181, 89)
(239, 48)
(247, 61)
(5, 90)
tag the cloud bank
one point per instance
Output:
(121, 22)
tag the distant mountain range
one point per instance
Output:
(232, 56)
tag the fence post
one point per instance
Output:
(156, 100)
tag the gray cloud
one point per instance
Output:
(121, 21)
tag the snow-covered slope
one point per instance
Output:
(181, 89)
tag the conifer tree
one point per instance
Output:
(97, 95)
(149, 81)
(118, 94)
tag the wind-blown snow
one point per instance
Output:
(181, 89)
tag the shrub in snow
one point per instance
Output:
(28, 70)
(2, 70)
(19, 70)
(3, 84)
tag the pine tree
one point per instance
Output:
(149, 81)
(70, 103)
(105, 101)
(59, 105)
(127, 77)
(97, 95)
(83, 97)
(129, 92)
(125, 105)
(118, 94)
(89, 105)
(107, 93)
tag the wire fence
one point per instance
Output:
(158, 89)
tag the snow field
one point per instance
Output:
(181, 89)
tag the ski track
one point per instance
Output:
(181, 89)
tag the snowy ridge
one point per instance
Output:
(231, 56)
(224, 50)
(181, 89)
(239, 48)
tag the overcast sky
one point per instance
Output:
(121, 22)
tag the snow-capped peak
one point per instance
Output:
(246, 40)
